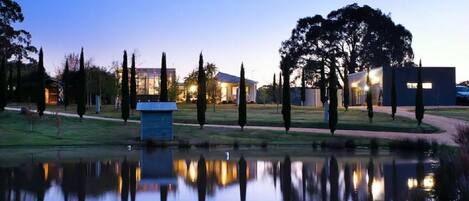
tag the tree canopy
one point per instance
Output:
(352, 37)
(13, 42)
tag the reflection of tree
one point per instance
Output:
(81, 173)
(242, 178)
(125, 180)
(324, 182)
(285, 179)
(334, 179)
(201, 179)
(394, 181)
(347, 181)
(164, 192)
(133, 181)
(39, 183)
(371, 176)
(3, 183)
(275, 172)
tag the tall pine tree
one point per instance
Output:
(393, 93)
(66, 85)
(41, 85)
(164, 80)
(369, 95)
(18, 81)
(346, 90)
(10, 83)
(333, 117)
(133, 85)
(242, 99)
(322, 84)
(286, 105)
(201, 93)
(419, 107)
(3, 87)
(125, 89)
(303, 87)
(81, 93)
(274, 90)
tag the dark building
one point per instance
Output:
(439, 86)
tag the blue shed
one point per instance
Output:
(156, 120)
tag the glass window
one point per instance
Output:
(413, 85)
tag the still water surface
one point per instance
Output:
(114, 174)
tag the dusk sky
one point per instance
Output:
(228, 32)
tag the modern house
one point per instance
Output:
(438, 86)
(148, 82)
(229, 86)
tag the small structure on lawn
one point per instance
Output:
(156, 120)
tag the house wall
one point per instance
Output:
(230, 95)
(443, 91)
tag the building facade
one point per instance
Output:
(229, 88)
(148, 82)
(439, 86)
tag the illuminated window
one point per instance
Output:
(413, 85)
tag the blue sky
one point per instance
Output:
(227, 31)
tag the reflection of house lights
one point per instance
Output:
(45, 166)
(355, 180)
(138, 174)
(192, 172)
(224, 172)
(428, 182)
(366, 88)
(377, 188)
(412, 183)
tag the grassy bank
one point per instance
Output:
(267, 115)
(457, 113)
(15, 130)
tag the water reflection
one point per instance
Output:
(168, 176)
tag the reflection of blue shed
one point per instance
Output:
(157, 167)
(156, 120)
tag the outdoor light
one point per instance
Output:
(193, 88)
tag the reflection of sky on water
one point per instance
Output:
(310, 179)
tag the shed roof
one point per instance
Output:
(157, 106)
(224, 77)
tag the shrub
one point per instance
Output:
(184, 144)
(204, 144)
(462, 137)
(373, 144)
(350, 144)
(235, 145)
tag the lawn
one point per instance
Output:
(458, 113)
(15, 130)
(267, 115)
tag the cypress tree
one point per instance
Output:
(274, 90)
(18, 80)
(164, 80)
(66, 87)
(133, 85)
(280, 88)
(242, 99)
(369, 96)
(201, 93)
(393, 93)
(419, 108)
(10, 83)
(346, 90)
(286, 107)
(41, 85)
(125, 89)
(3, 88)
(333, 118)
(322, 84)
(303, 87)
(81, 95)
